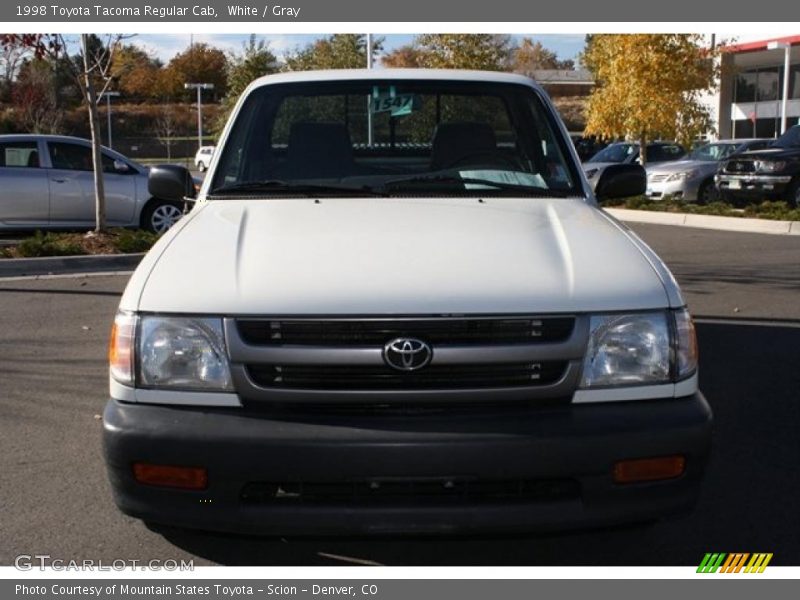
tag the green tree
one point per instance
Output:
(490, 52)
(337, 51)
(532, 56)
(650, 86)
(255, 60)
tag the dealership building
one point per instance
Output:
(751, 100)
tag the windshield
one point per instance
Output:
(616, 153)
(713, 152)
(790, 138)
(394, 137)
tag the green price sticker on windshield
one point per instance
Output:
(397, 105)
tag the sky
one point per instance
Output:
(165, 46)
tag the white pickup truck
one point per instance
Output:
(397, 307)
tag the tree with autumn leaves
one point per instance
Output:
(650, 86)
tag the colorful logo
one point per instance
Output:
(735, 562)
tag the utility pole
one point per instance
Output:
(199, 87)
(787, 56)
(108, 94)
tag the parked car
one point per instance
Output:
(587, 146)
(692, 178)
(203, 157)
(47, 182)
(429, 328)
(625, 153)
(772, 173)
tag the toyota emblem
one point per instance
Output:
(407, 354)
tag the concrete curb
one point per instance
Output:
(707, 221)
(22, 267)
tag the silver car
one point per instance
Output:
(47, 182)
(692, 179)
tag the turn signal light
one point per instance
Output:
(187, 478)
(649, 469)
(120, 347)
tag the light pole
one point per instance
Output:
(108, 94)
(787, 55)
(199, 87)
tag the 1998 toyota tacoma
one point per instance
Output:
(397, 307)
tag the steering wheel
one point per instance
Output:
(492, 158)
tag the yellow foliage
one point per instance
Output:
(650, 86)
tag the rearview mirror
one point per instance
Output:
(171, 182)
(621, 181)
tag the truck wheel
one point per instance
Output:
(201, 166)
(793, 195)
(707, 192)
(160, 215)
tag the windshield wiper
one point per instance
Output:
(279, 185)
(450, 179)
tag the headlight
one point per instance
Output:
(631, 349)
(681, 175)
(186, 353)
(770, 166)
(591, 173)
(640, 349)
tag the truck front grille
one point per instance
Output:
(739, 166)
(323, 377)
(347, 332)
(464, 361)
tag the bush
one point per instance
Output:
(773, 210)
(779, 211)
(48, 244)
(133, 241)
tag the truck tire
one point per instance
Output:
(793, 194)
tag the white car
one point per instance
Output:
(202, 159)
(425, 327)
(47, 182)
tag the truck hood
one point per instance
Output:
(771, 153)
(393, 256)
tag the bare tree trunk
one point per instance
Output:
(94, 126)
(643, 149)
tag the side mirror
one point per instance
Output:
(171, 182)
(621, 181)
(121, 167)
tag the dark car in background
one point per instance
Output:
(769, 174)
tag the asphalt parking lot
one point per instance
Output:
(744, 289)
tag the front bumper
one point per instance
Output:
(578, 443)
(681, 190)
(753, 186)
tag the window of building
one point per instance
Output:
(746, 87)
(769, 84)
(794, 82)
